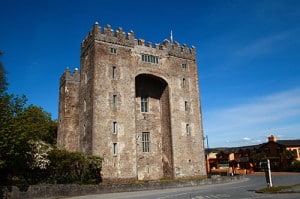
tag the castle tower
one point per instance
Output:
(138, 107)
(67, 134)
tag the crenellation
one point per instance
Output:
(128, 39)
(108, 31)
(70, 76)
(96, 31)
(130, 35)
(166, 43)
(141, 42)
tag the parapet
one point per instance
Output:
(70, 76)
(107, 34)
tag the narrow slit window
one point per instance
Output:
(146, 141)
(84, 106)
(114, 71)
(185, 105)
(144, 104)
(115, 149)
(183, 82)
(187, 128)
(114, 101)
(115, 127)
(85, 78)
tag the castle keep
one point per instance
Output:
(136, 105)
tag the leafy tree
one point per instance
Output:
(20, 124)
(37, 124)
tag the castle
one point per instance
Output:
(136, 105)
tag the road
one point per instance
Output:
(244, 189)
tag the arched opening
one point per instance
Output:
(154, 143)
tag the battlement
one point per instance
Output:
(107, 34)
(71, 76)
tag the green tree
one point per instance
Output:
(37, 124)
(13, 143)
(20, 124)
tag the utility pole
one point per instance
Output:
(267, 167)
(206, 137)
(269, 180)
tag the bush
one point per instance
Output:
(295, 166)
(73, 167)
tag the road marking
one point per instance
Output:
(212, 196)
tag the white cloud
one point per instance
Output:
(246, 139)
(278, 113)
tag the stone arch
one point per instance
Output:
(157, 120)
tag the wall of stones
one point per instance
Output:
(68, 110)
(56, 191)
(113, 102)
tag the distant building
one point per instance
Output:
(136, 105)
(246, 159)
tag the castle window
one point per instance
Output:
(150, 59)
(113, 51)
(144, 104)
(187, 129)
(84, 130)
(183, 83)
(85, 78)
(84, 105)
(114, 101)
(114, 127)
(146, 141)
(115, 149)
(183, 66)
(114, 71)
(185, 105)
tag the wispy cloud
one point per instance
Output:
(263, 45)
(252, 122)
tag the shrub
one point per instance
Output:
(73, 167)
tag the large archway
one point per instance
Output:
(154, 143)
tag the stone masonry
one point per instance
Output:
(134, 104)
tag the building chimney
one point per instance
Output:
(272, 138)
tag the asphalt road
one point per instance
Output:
(244, 189)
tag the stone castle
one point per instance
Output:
(136, 105)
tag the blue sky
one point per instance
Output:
(247, 53)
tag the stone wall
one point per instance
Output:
(50, 191)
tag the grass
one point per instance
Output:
(279, 189)
(183, 179)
